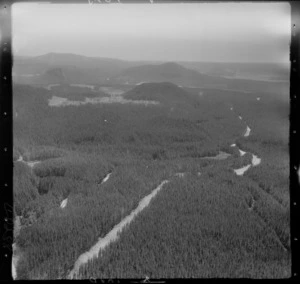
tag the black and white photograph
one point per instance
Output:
(151, 140)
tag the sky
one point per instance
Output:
(215, 32)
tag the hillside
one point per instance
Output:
(179, 75)
(163, 92)
(64, 75)
(81, 69)
(90, 70)
(68, 59)
(166, 72)
(51, 76)
(254, 71)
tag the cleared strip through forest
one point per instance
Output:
(113, 235)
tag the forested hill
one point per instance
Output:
(51, 76)
(40, 63)
(170, 72)
(163, 92)
(179, 75)
(77, 68)
(55, 68)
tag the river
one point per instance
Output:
(242, 170)
(30, 164)
(247, 133)
(254, 162)
(106, 178)
(64, 203)
(255, 159)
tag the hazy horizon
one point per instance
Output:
(190, 32)
(157, 61)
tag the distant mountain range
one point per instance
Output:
(55, 68)
(76, 68)
(181, 76)
(168, 72)
(241, 70)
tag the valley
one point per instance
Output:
(163, 172)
